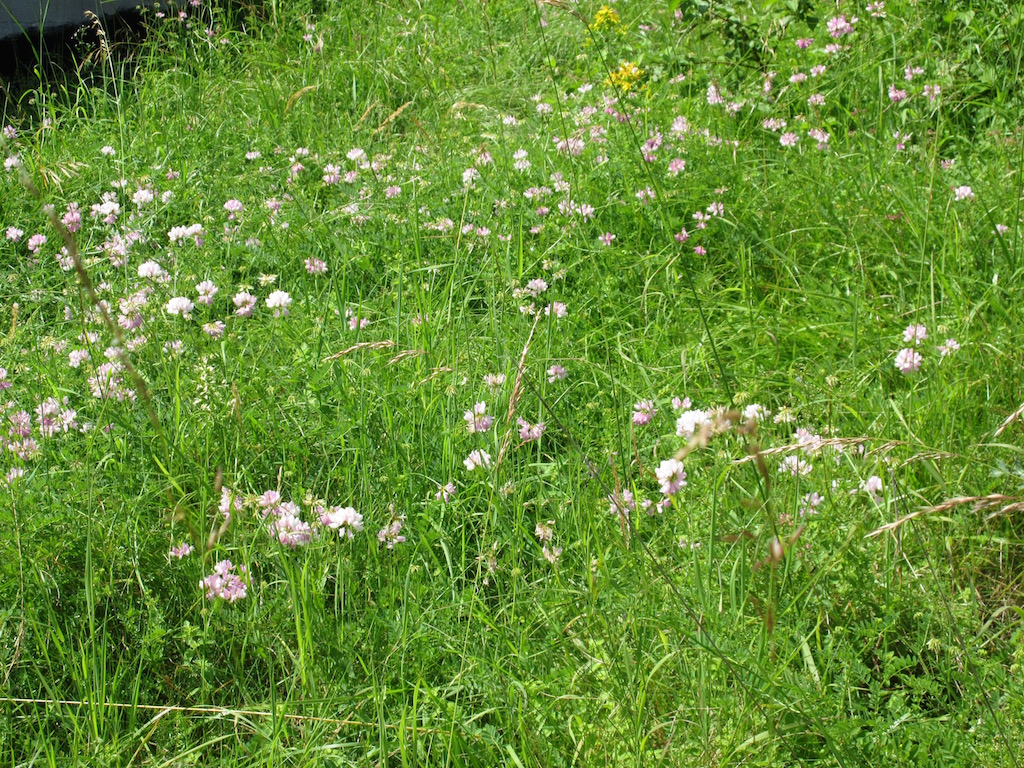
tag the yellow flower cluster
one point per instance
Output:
(625, 77)
(606, 17)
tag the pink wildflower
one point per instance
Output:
(915, 333)
(530, 432)
(214, 329)
(206, 290)
(245, 304)
(908, 361)
(478, 459)
(345, 520)
(279, 301)
(556, 373)
(873, 487)
(671, 475)
(180, 305)
(77, 356)
(643, 412)
(477, 420)
(391, 534)
(224, 583)
(445, 492)
(182, 550)
(316, 266)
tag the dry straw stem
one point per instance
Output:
(562, 5)
(884, 447)
(101, 34)
(434, 373)
(405, 354)
(386, 344)
(517, 391)
(390, 118)
(1005, 504)
(298, 95)
(236, 714)
(365, 115)
(1009, 420)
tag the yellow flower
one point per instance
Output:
(625, 77)
(606, 17)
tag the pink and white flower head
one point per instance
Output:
(279, 301)
(556, 373)
(915, 333)
(951, 346)
(316, 266)
(345, 520)
(445, 493)
(245, 304)
(621, 503)
(672, 476)
(214, 329)
(557, 308)
(810, 504)
(224, 583)
(477, 419)
(494, 380)
(268, 501)
(206, 290)
(391, 534)
(839, 26)
(182, 550)
(795, 466)
(150, 270)
(288, 529)
(691, 421)
(545, 532)
(809, 442)
(873, 487)
(233, 207)
(754, 412)
(77, 356)
(908, 361)
(230, 502)
(478, 459)
(643, 412)
(180, 305)
(529, 432)
(963, 193)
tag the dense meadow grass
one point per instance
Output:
(501, 383)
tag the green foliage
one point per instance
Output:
(527, 619)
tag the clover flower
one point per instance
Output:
(345, 520)
(671, 475)
(915, 333)
(908, 361)
(182, 550)
(478, 459)
(643, 412)
(529, 432)
(224, 583)
(245, 304)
